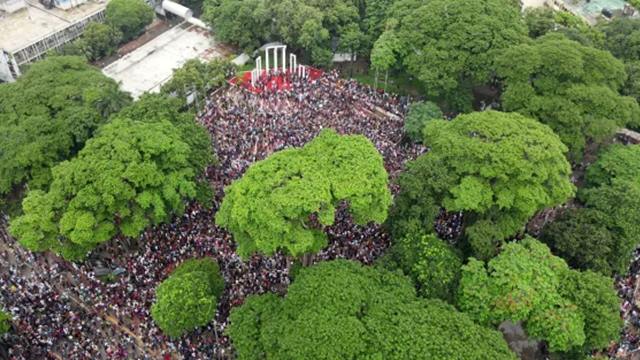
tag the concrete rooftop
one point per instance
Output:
(151, 65)
(21, 28)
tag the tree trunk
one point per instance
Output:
(386, 78)
(375, 83)
(351, 67)
(307, 260)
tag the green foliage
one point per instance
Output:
(188, 298)
(570, 87)
(208, 267)
(602, 236)
(130, 17)
(343, 310)
(306, 26)
(419, 114)
(632, 86)
(596, 299)
(48, 114)
(622, 38)
(498, 168)
(5, 322)
(527, 283)
(581, 237)
(616, 163)
(385, 51)
(450, 45)
(201, 78)
(99, 40)
(137, 171)
(539, 20)
(269, 208)
(432, 265)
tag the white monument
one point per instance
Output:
(277, 52)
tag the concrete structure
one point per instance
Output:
(590, 10)
(68, 4)
(11, 6)
(29, 33)
(147, 68)
(278, 51)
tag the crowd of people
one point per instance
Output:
(629, 292)
(68, 312)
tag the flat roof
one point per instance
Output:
(151, 65)
(25, 26)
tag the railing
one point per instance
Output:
(41, 46)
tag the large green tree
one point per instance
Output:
(497, 168)
(48, 114)
(99, 40)
(568, 86)
(623, 38)
(130, 17)
(308, 26)
(343, 310)
(197, 78)
(420, 113)
(188, 298)
(527, 283)
(433, 265)
(270, 207)
(451, 45)
(602, 235)
(137, 171)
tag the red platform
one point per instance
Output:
(274, 83)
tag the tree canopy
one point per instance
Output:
(433, 265)
(138, 170)
(99, 40)
(623, 38)
(271, 206)
(130, 17)
(498, 168)
(343, 310)
(419, 114)
(525, 282)
(451, 45)
(306, 25)
(568, 86)
(602, 235)
(48, 115)
(188, 298)
(198, 78)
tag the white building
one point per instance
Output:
(31, 29)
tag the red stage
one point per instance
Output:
(274, 83)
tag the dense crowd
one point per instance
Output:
(64, 310)
(629, 292)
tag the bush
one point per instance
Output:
(99, 40)
(431, 263)
(129, 16)
(419, 114)
(188, 298)
(5, 322)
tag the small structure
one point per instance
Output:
(278, 67)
